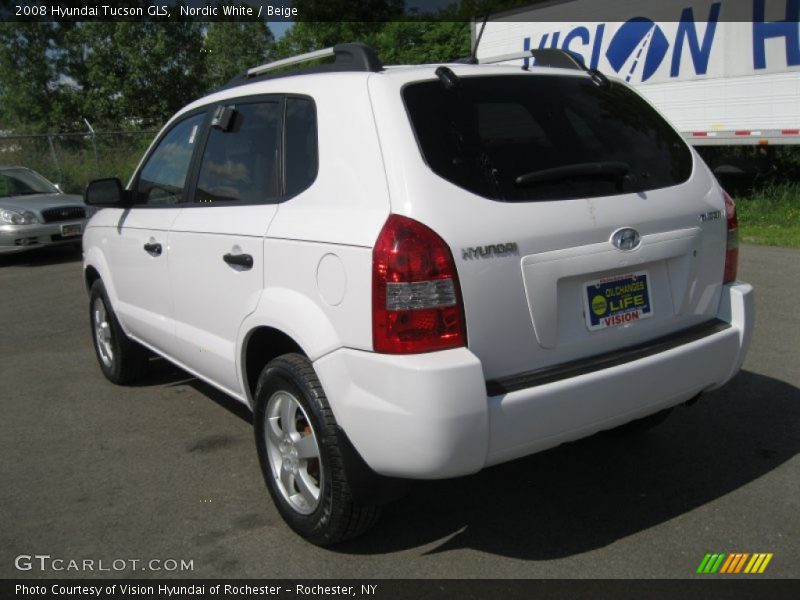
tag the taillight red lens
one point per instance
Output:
(732, 248)
(416, 298)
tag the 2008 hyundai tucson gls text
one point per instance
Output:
(418, 272)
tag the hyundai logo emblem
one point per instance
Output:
(626, 239)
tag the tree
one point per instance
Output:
(233, 46)
(350, 11)
(420, 42)
(31, 61)
(329, 22)
(136, 72)
(397, 36)
(395, 42)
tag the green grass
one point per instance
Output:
(117, 156)
(771, 216)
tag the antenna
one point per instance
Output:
(473, 57)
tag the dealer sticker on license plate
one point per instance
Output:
(74, 229)
(616, 300)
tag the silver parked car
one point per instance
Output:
(36, 213)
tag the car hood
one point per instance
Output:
(40, 202)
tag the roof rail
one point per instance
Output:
(348, 57)
(554, 58)
(285, 62)
(543, 57)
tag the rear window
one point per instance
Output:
(529, 137)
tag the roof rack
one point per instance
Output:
(543, 57)
(554, 58)
(300, 58)
(353, 57)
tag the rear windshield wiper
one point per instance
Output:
(609, 170)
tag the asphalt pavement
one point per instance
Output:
(167, 470)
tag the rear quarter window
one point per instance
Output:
(485, 134)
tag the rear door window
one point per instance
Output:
(534, 137)
(240, 161)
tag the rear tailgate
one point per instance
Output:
(542, 280)
(528, 309)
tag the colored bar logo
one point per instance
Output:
(734, 563)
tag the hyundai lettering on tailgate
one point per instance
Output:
(617, 300)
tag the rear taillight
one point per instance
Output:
(416, 299)
(732, 248)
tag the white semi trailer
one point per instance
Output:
(724, 72)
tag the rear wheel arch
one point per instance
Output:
(261, 345)
(284, 321)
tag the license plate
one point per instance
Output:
(73, 229)
(617, 300)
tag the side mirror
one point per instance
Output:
(107, 193)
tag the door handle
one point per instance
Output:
(241, 260)
(153, 248)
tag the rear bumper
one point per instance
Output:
(429, 416)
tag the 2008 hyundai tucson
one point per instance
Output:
(418, 272)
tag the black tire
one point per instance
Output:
(333, 515)
(641, 425)
(120, 358)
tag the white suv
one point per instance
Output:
(418, 272)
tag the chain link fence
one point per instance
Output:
(74, 159)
